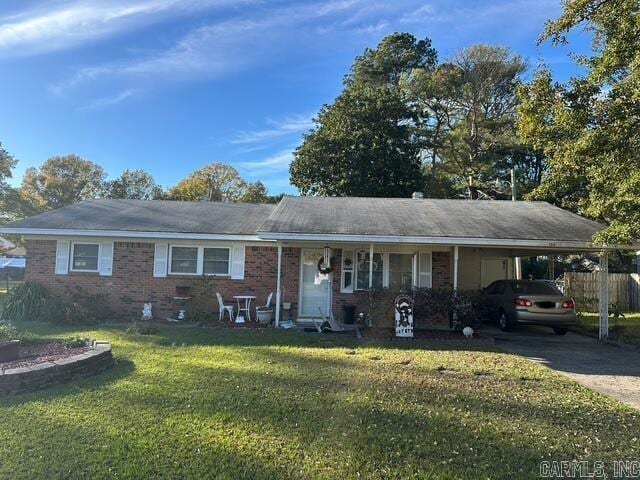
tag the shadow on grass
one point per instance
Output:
(296, 413)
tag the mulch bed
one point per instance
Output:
(40, 353)
(437, 336)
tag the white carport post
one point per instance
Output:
(371, 265)
(456, 256)
(604, 294)
(278, 281)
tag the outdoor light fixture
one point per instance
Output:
(327, 256)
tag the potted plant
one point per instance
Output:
(264, 314)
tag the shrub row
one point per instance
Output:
(32, 301)
(461, 308)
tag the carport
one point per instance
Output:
(552, 249)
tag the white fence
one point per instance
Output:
(624, 290)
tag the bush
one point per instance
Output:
(28, 301)
(32, 301)
(8, 332)
(430, 304)
(75, 342)
(142, 329)
(91, 309)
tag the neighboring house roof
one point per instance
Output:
(16, 252)
(144, 216)
(415, 219)
(348, 219)
(6, 244)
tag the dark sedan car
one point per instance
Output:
(528, 301)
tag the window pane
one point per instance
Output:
(534, 288)
(362, 278)
(348, 280)
(347, 270)
(216, 261)
(424, 267)
(85, 257)
(184, 260)
(400, 270)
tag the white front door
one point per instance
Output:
(314, 286)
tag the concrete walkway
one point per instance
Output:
(605, 368)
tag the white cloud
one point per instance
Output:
(43, 30)
(484, 15)
(218, 48)
(108, 101)
(287, 126)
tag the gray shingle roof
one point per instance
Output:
(428, 218)
(325, 216)
(153, 216)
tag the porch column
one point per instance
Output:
(455, 267)
(551, 259)
(603, 280)
(371, 265)
(278, 288)
(518, 267)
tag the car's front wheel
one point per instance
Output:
(503, 322)
(560, 330)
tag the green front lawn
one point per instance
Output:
(210, 403)
(625, 330)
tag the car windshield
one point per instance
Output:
(534, 288)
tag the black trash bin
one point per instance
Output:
(349, 314)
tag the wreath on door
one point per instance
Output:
(325, 269)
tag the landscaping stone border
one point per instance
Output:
(41, 375)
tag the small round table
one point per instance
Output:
(247, 305)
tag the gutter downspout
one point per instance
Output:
(278, 286)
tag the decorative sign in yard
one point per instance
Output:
(404, 316)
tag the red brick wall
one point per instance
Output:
(132, 283)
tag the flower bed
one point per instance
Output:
(29, 355)
(50, 364)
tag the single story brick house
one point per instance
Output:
(136, 251)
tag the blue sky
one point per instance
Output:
(171, 85)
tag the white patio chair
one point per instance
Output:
(224, 308)
(269, 298)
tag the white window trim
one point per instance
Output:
(385, 268)
(229, 261)
(199, 260)
(72, 254)
(352, 269)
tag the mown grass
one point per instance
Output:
(625, 329)
(211, 403)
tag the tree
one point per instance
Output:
(218, 182)
(7, 206)
(61, 181)
(589, 127)
(397, 55)
(364, 144)
(466, 116)
(133, 184)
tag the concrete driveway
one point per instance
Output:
(605, 368)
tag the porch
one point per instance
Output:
(355, 268)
